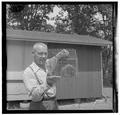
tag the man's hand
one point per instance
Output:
(62, 53)
(37, 93)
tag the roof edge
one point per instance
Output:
(11, 35)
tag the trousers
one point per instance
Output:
(50, 104)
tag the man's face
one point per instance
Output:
(40, 55)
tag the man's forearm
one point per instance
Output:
(37, 93)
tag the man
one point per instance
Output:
(35, 77)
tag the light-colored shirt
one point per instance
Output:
(36, 89)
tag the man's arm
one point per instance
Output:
(52, 62)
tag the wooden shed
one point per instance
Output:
(85, 78)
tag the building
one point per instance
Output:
(83, 77)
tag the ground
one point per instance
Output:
(98, 104)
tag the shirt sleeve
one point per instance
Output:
(51, 64)
(34, 89)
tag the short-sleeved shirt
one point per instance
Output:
(31, 82)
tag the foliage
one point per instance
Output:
(92, 19)
(33, 17)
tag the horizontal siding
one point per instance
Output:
(16, 88)
(18, 97)
(14, 75)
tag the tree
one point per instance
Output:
(83, 19)
(33, 17)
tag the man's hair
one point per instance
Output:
(38, 44)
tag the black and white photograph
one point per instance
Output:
(60, 57)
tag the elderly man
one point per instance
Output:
(42, 90)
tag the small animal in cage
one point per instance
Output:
(68, 71)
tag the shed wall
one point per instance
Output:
(15, 55)
(89, 71)
(85, 84)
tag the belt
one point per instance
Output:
(45, 99)
(44, 104)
